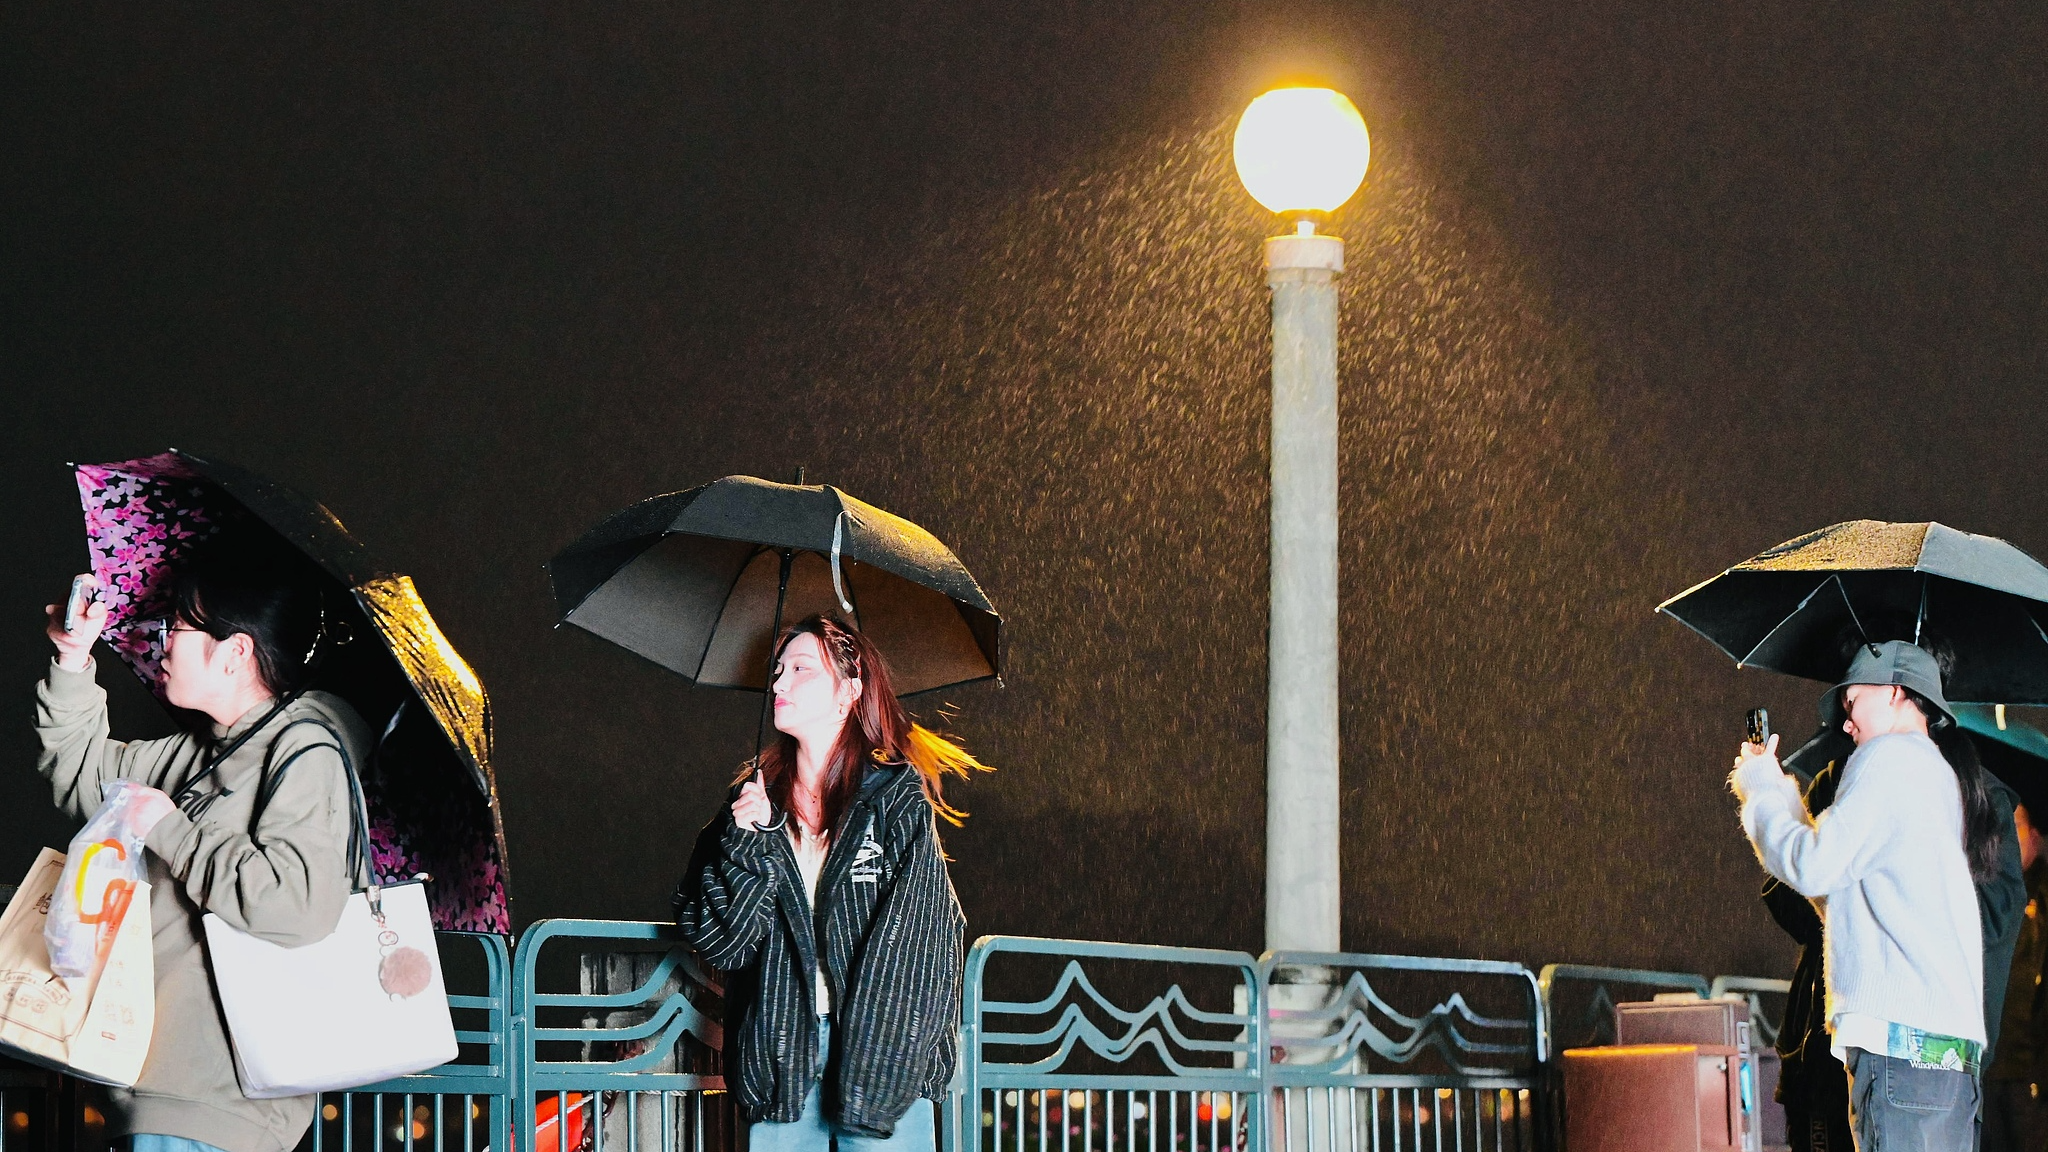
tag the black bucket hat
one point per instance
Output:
(1899, 662)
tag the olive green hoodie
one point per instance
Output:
(284, 880)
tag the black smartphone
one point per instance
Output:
(1759, 727)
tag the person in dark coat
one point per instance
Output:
(2015, 1109)
(822, 889)
(1813, 1086)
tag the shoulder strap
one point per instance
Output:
(360, 857)
(189, 798)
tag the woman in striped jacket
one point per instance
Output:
(823, 892)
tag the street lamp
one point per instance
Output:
(1302, 149)
(1298, 151)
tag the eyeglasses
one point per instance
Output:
(160, 630)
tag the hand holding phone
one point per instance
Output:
(75, 625)
(1757, 762)
(82, 588)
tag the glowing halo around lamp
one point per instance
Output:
(1302, 149)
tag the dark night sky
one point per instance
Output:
(1635, 291)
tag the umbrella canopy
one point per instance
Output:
(1791, 608)
(1989, 723)
(694, 581)
(2015, 750)
(432, 796)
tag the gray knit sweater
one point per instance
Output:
(891, 930)
(1903, 937)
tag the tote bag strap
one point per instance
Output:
(360, 859)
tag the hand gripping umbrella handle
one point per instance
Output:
(781, 817)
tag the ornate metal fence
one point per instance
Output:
(1118, 1046)
(1062, 1064)
(1578, 999)
(596, 1035)
(593, 1034)
(1348, 1071)
(460, 1105)
(632, 1056)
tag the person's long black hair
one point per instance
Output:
(1983, 832)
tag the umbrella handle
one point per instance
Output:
(781, 817)
(839, 583)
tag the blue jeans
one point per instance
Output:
(149, 1142)
(1895, 1107)
(916, 1131)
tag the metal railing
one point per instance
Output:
(1071, 1069)
(1207, 1050)
(1348, 1071)
(1754, 988)
(599, 1035)
(633, 1053)
(459, 1105)
(1594, 1023)
(1592, 986)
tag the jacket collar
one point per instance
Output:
(247, 720)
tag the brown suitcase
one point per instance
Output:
(1653, 1098)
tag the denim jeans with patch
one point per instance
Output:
(1895, 1107)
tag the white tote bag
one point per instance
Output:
(363, 1005)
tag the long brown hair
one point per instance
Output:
(877, 731)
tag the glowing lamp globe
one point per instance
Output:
(1302, 149)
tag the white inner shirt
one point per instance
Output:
(1857, 1030)
(810, 860)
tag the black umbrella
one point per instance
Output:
(432, 797)
(700, 581)
(1801, 607)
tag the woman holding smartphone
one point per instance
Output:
(246, 815)
(1896, 857)
(823, 891)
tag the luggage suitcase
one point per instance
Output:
(1653, 1098)
(1684, 1018)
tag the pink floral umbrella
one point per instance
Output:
(142, 519)
(433, 798)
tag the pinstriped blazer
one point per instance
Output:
(891, 932)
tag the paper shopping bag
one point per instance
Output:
(95, 1028)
